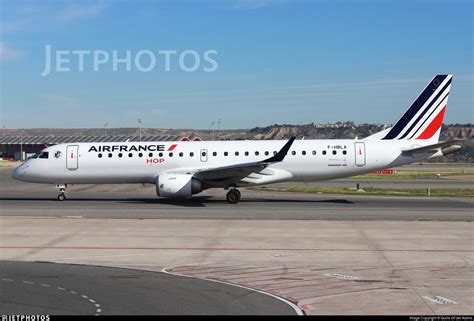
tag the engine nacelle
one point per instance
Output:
(177, 185)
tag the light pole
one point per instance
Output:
(105, 129)
(3, 130)
(21, 146)
(212, 130)
(140, 128)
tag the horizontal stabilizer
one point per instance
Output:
(446, 148)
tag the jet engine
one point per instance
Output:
(177, 185)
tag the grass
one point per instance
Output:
(446, 192)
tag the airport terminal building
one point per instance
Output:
(22, 147)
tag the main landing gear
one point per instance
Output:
(62, 191)
(233, 196)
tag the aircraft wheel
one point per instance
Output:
(233, 196)
(61, 197)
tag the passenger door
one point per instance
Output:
(72, 160)
(360, 154)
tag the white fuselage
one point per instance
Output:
(143, 162)
(181, 169)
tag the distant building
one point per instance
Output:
(12, 147)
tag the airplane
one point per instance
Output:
(185, 168)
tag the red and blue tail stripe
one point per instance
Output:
(425, 116)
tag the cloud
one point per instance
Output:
(75, 11)
(8, 54)
(23, 15)
(10, 26)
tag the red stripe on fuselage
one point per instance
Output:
(434, 126)
(172, 147)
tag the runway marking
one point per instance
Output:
(97, 306)
(342, 276)
(439, 299)
(293, 305)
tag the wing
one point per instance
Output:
(234, 173)
(445, 148)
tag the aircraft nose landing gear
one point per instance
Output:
(62, 191)
(233, 196)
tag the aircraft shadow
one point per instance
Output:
(196, 201)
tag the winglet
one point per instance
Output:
(278, 157)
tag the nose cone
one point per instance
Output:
(19, 172)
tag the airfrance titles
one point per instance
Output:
(128, 148)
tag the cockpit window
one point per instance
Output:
(41, 155)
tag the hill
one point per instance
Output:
(344, 130)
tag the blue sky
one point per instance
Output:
(277, 61)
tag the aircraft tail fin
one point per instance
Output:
(423, 119)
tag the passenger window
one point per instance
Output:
(203, 154)
(120, 155)
(110, 155)
(246, 153)
(334, 152)
(140, 155)
(214, 154)
(236, 153)
(303, 152)
(344, 152)
(324, 152)
(226, 153)
(130, 154)
(150, 155)
(171, 154)
(160, 154)
(314, 152)
(99, 155)
(257, 153)
(293, 153)
(266, 153)
(181, 154)
(191, 154)
(275, 152)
